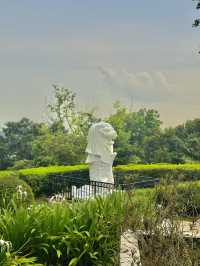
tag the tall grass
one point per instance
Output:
(158, 224)
(82, 233)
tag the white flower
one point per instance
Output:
(19, 188)
(1, 242)
(57, 198)
(25, 193)
(5, 245)
(21, 193)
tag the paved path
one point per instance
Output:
(190, 229)
(129, 250)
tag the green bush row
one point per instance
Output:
(48, 180)
(44, 180)
(137, 172)
(42, 171)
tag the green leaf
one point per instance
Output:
(74, 262)
(59, 253)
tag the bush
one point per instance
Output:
(45, 180)
(88, 232)
(136, 172)
(185, 197)
(83, 233)
(159, 227)
(22, 164)
(48, 180)
(8, 190)
(7, 173)
(188, 199)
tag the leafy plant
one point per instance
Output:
(8, 190)
(79, 233)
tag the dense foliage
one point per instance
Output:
(44, 180)
(138, 172)
(85, 233)
(62, 139)
(88, 232)
(11, 185)
(186, 197)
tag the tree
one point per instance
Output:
(18, 137)
(5, 159)
(133, 128)
(140, 137)
(58, 148)
(64, 140)
(189, 133)
(196, 22)
(63, 108)
(122, 146)
(65, 115)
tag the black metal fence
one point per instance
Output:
(79, 188)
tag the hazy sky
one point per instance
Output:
(144, 53)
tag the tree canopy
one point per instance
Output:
(141, 139)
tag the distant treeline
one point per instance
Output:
(62, 139)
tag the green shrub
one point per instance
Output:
(88, 232)
(137, 172)
(185, 197)
(9, 186)
(7, 173)
(78, 233)
(22, 164)
(160, 238)
(188, 199)
(44, 180)
(48, 180)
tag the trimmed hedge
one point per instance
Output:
(8, 190)
(7, 173)
(43, 180)
(137, 172)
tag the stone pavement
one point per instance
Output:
(129, 250)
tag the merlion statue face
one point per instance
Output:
(100, 142)
(105, 131)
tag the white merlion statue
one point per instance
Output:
(100, 152)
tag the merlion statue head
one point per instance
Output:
(100, 143)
